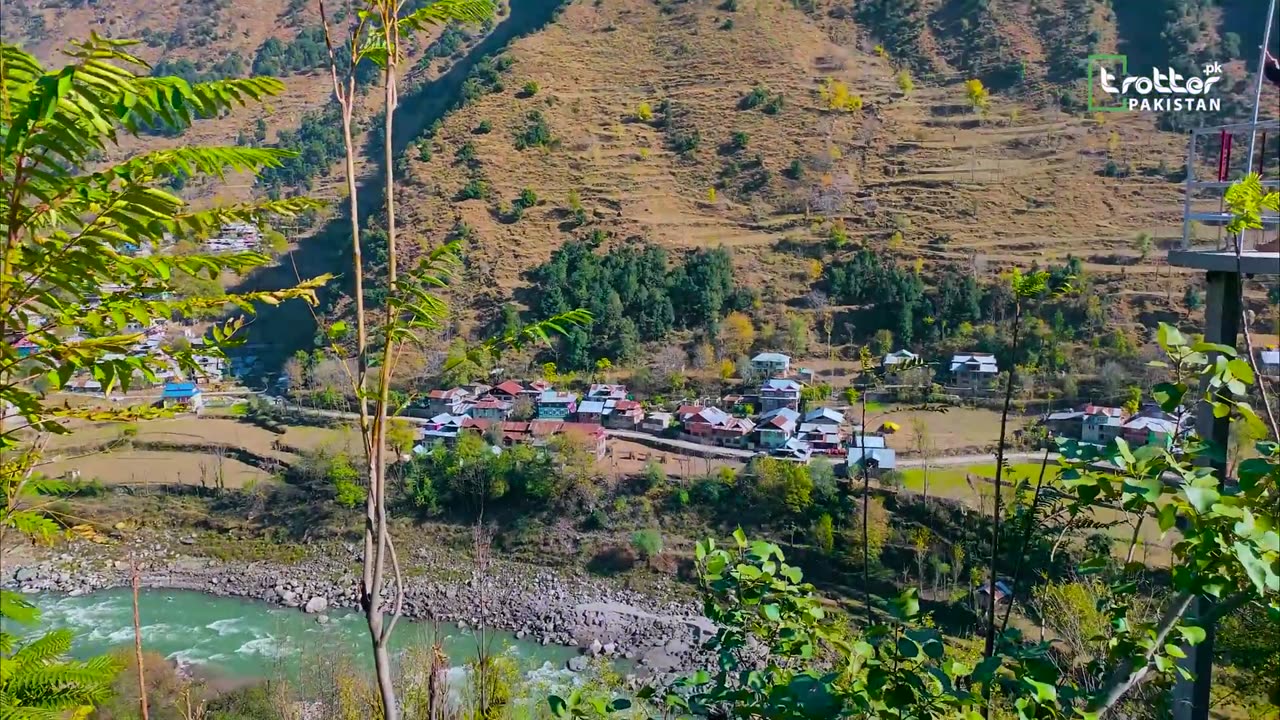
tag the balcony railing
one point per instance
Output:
(1216, 158)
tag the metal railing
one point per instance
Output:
(1216, 159)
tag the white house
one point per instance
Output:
(771, 363)
(974, 371)
(896, 358)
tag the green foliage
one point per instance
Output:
(529, 89)
(484, 127)
(70, 235)
(634, 296)
(345, 478)
(758, 96)
(536, 132)
(37, 680)
(475, 189)
(647, 543)
(898, 24)
(313, 148)
(528, 198)
(470, 476)
(786, 487)
(824, 534)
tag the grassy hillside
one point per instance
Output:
(919, 173)
(792, 133)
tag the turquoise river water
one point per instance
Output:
(242, 638)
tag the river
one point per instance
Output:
(241, 638)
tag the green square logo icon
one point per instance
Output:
(1105, 73)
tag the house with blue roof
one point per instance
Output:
(182, 395)
(556, 405)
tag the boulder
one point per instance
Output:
(316, 604)
(25, 575)
(577, 663)
(595, 648)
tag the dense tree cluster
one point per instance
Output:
(306, 52)
(635, 295)
(474, 474)
(948, 309)
(318, 142)
(232, 66)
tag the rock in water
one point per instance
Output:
(322, 619)
(317, 604)
(578, 663)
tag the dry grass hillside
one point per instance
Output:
(921, 173)
(203, 32)
(775, 175)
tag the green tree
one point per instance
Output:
(785, 486)
(71, 288)
(1144, 245)
(648, 543)
(824, 533)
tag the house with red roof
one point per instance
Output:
(507, 391)
(449, 402)
(626, 415)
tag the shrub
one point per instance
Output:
(686, 143)
(528, 198)
(727, 24)
(424, 151)
(757, 96)
(529, 89)
(347, 491)
(739, 140)
(484, 128)
(536, 132)
(729, 6)
(475, 189)
(466, 153)
(653, 475)
(795, 170)
(644, 113)
(773, 106)
(647, 543)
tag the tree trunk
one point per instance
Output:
(990, 646)
(135, 582)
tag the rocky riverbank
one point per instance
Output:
(534, 603)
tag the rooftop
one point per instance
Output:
(771, 357)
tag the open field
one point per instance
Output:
(951, 430)
(145, 467)
(136, 459)
(954, 482)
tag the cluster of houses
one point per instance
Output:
(235, 237)
(1100, 425)
(779, 429)
(485, 408)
